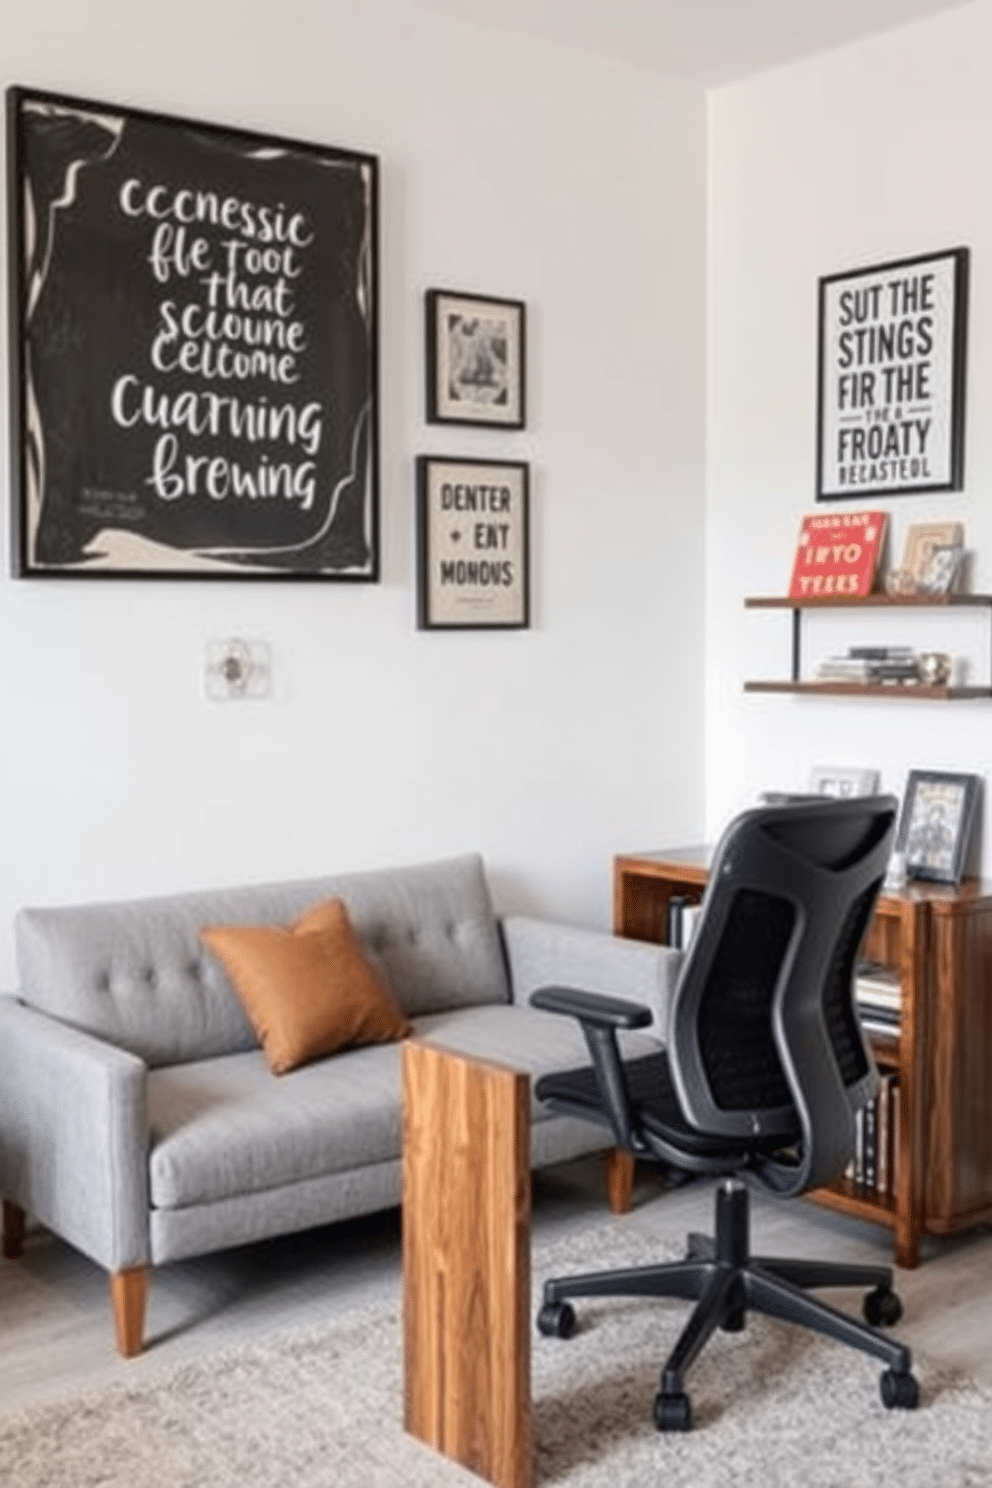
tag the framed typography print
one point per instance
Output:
(891, 378)
(194, 348)
(935, 823)
(475, 360)
(472, 544)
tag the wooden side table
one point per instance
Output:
(466, 1261)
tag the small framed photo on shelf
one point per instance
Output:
(931, 560)
(891, 378)
(475, 360)
(938, 810)
(472, 544)
(839, 780)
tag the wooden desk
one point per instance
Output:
(466, 1261)
(939, 938)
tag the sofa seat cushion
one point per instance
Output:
(222, 1128)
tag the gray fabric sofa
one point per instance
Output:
(140, 1122)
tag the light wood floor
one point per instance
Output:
(57, 1335)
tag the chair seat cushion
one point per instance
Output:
(655, 1107)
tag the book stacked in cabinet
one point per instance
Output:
(938, 939)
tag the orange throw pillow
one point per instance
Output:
(308, 989)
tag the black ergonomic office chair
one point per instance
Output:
(764, 1070)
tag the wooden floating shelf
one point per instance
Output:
(903, 692)
(906, 691)
(869, 601)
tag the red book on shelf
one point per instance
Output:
(837, 554)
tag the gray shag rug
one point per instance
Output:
(322, 1408)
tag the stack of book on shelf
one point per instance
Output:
(682, 916)
(878, 998)
(871, 664)
(875, 1162)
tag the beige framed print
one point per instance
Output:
(475, 359)
(923, 539)
(472, 544)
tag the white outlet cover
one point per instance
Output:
(237, 668)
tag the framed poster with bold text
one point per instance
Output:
(891, 378)
(193, 334)
(472, 544)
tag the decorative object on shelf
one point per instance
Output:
(899, 581)
(193, 348)
(935, 668)
(475, 359)
(935, 824)
(472, 544)
(891, 377)
(842, 780)
(837, 554)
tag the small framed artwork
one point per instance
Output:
(891, 378)
(475, 360)
(472, 544)
(193, 348)
(940, 571)
(840, 780)
(935, 824)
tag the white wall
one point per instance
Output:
(872, 153)
(509, 167)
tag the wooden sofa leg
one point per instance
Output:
(13, 1230)
(128, 1291)
(619, 1179)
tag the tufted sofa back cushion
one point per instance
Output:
(136, 975)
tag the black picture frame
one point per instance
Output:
(473, 543)
(938, 811)
(476, 359)
(891, 378)
(193, 347)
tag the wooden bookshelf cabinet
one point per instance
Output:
(939, 938)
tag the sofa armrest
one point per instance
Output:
(74, 1135)
(541, 953)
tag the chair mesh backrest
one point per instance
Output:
(745, 1073)
(838, 1005)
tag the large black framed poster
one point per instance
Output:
(891, 378)
(194, 348)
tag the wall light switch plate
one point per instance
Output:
(237, 668)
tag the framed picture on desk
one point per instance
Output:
(935, 825)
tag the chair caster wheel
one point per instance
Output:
(672, 1412)
(556, 1320)
(735, 1322)
(882, 1308)
(899, 1391)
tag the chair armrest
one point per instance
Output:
(542, 953)
(592, 1007)
(599, 1018)
(74, 1135)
